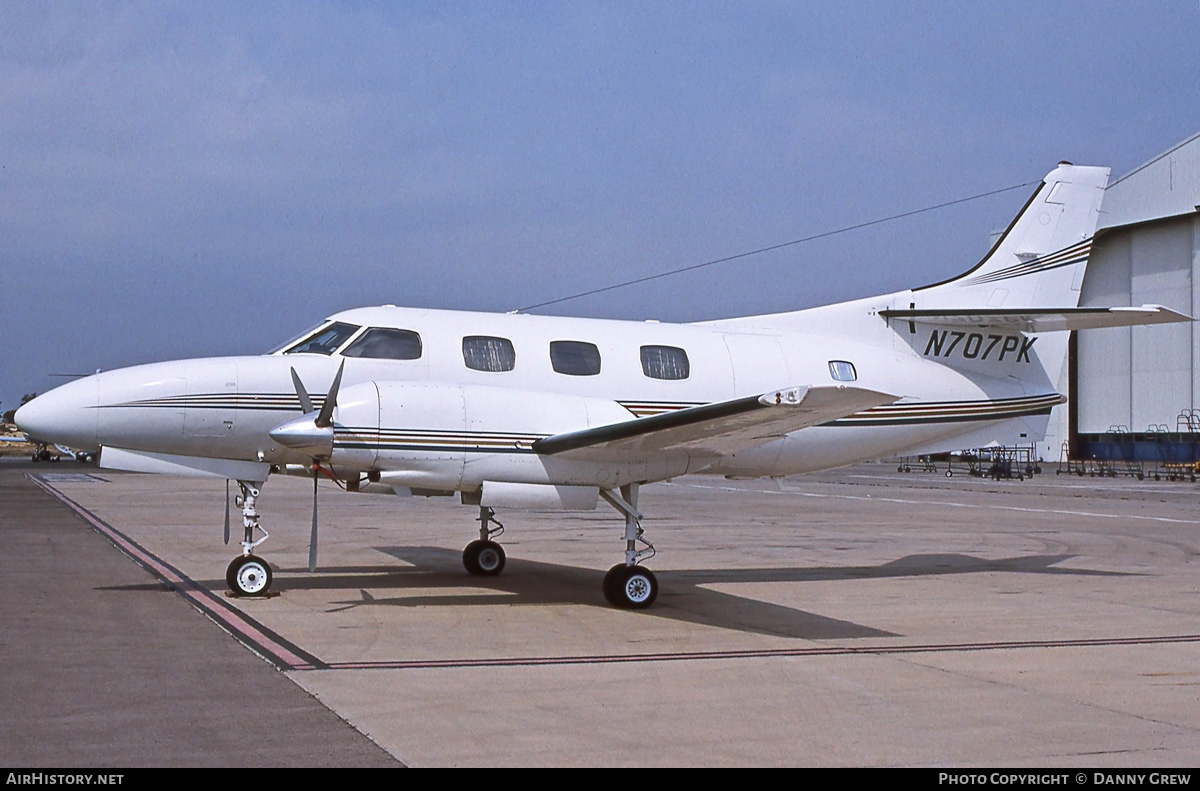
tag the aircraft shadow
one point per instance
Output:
(683, 594)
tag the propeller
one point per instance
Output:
(312, 537)
(226, 511)
(325, 418)
(306, 405)
(312, 435)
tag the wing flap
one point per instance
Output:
(1041, 319)
(719, 428)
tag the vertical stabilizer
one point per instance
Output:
(1040, 260)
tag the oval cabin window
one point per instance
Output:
(665, 362)
(575, 358)
(485, 353)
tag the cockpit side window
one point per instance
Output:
(382, 343)
(325, 340)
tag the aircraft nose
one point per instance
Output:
(66, 415)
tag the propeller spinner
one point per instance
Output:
(311, 434)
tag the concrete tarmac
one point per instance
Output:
(862, 617)
(103, 666)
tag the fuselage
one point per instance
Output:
(451, 399)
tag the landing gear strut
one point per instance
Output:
(628, 585)
(42, 453)
(249, 575)
(485, 558)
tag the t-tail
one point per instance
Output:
(1039, 260)
(1029, 282)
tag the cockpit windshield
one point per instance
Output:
(296, 338)
(325, 340)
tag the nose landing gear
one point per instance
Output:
(249, 575)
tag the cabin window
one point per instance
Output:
(665, 362)
(575, 358)
(325, 340)
(381, 343)
(842, 371)
(485, 353)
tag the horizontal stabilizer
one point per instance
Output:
(720, 428)
(1040, 319)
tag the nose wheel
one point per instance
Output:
(249, 575)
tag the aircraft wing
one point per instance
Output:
(1040, 319)
(720, 428)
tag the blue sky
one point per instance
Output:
(183, 180)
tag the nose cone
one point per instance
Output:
(66, 415)
(304, 435)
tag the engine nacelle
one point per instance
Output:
(450, 437)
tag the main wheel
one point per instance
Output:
(611, 581)
(248, 576)
(632, 587)
(483, 558)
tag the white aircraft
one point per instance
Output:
(522, 411)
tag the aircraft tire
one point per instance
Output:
(634, 588)
(610, 584)
(248, 575)
(483, 558)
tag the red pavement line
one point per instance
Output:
(250, 633)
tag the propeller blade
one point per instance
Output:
(325, 419)
(312, 539)
(226, 510)
(306, 405)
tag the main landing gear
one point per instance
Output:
(626, 585)
(249, 575)
(485, 558)
(41, 452)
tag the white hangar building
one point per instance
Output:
(1128, 386)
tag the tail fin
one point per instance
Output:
(1039, 261)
